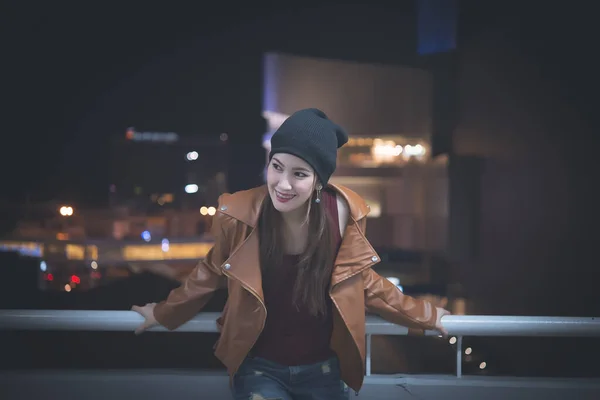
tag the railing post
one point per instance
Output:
(368, 355)
(459, 356)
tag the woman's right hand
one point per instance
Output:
(147, 312)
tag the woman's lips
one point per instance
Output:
(284, 198)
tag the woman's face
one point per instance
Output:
(291, 182)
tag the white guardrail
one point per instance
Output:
(456, 325)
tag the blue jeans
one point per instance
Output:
(260, 379)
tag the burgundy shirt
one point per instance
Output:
(291, 336)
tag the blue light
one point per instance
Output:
(146, 236)
(25, 249)
(437, 25)
(270, 69)
(43, 266)
(165, 245)
(267, 136)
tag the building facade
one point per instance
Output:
(387, 111)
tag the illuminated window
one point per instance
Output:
(382, 151)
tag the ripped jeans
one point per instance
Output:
(260, 379)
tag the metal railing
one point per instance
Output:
(456, 325)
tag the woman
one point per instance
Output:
(294, 258)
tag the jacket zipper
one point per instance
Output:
(249, 289)
(338, 308)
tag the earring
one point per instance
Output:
(318, 199)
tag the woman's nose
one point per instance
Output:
(284, 184)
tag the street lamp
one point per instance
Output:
(66, 211)
(191, 188)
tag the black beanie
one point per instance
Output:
(313, 137)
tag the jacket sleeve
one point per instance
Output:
(385, 299)
(184, 302)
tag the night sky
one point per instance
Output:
(60, 59)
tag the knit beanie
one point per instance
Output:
(313, 137)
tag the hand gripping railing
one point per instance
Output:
(456, 325)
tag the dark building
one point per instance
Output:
(153, 171)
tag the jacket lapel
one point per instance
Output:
(354, 256)
(244, 264)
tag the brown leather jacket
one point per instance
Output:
(233, 263)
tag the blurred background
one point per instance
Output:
(473, 134)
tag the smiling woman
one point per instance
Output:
(295, 260)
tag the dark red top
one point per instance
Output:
(292, 336)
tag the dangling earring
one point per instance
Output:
(318, 199)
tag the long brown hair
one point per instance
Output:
(316, 263)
